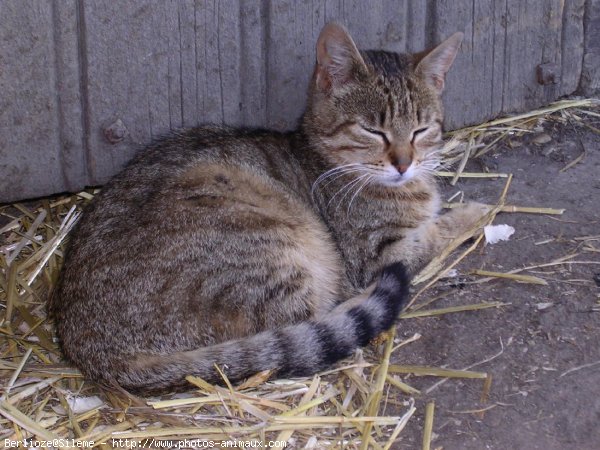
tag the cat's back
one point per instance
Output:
(169, 157)
(203, 164)
(179, 175)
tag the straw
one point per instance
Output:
(428, 427)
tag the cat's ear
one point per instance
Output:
(338, 59)
(434, 65)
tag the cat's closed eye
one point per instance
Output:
(378, 133)
(415, 135)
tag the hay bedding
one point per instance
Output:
(42, 399)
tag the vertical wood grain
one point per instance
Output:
(30, 140)
(590, 74)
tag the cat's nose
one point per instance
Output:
(402, 158)
(402, 168)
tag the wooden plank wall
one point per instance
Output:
(73, 72)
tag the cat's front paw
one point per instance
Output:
(465, 217)
(475, 211)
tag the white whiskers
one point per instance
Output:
(362, 186)
(336, 173)
(359, 176)
(346, 188)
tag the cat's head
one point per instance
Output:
(377, 111)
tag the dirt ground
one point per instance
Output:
(546, 382)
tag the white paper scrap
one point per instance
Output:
(83, 404)
(497, 233)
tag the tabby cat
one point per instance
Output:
(253, 249)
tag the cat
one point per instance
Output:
(252, 249)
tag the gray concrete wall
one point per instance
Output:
(84, 83)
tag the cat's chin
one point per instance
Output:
(395, 181)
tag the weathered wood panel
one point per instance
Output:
(35, 140)
(129, 55)
(85, 83)
(590, 77)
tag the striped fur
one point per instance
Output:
(253, 249)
